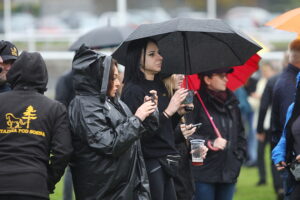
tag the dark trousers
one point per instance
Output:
(20, 197)
(295, 195)
(161, 184)
(261, 160)
(68, 185)
(277, 180)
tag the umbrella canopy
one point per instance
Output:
(103, 37)
(288, 21)
(190, 46)
(236, 79)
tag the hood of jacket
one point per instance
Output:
(28, 72)
(91, 72)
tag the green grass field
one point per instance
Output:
(246, 187)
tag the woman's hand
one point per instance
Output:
(203, 151)
(220, 143)
(183, 108)
(187, 130)
(145, 110)
(152, 97)
(280, 166)
(176, 101)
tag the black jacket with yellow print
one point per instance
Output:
(35, 142)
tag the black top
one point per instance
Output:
(219, 166)
(35, 141)
(4, 88)
(162, 141)
(283, 96)
(265, 103)
(64, 91)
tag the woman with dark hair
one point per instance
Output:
(288, 148)
(141, 75)
(216, 178)
(107, 162)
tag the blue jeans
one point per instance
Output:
(214, 191)
(288, 183)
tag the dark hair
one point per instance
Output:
(201, 77)
(111, 74)
(133, 57)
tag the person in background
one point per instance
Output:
(264, 137)
(247, 118)
(35, 140)
(107, 162)
(64, 93)
(264, 95)
(287, 149)
(216, 178)
(184, 183)
(141, 75)
(283, 94)
(8, 54)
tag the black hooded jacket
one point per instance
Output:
(219, 166)
(107, 162)
(35, 141)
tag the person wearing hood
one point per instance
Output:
(216, 178)
(107, 162)
(35, 140)
(8, 54)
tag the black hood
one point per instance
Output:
(91, 72)
(28, 72)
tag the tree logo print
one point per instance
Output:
(29, 115)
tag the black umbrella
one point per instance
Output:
(103, 37)
(191, 46)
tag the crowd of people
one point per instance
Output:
(135, 143)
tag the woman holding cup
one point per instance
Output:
(216, 178)
(184, 183)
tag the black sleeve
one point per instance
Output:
(99, 134)
(241, 141)
(133, 97)
(205, 131)
(265, 103)
(179, 138)
(283, 95)
(61, 148)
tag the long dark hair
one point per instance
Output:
(134, 53)
(111, 75)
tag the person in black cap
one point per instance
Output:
(8, 54)
(216, 178)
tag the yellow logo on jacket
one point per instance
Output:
(22, 124)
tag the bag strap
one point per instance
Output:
(216, 130)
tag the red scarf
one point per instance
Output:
(221, 96)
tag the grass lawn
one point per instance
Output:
(246, 188)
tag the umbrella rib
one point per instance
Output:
(225, 44)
